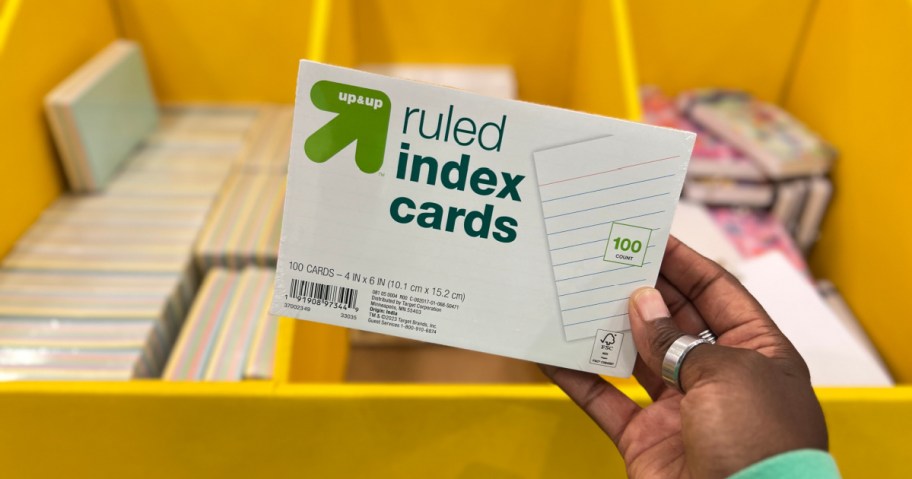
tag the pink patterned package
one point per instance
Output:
(776, 141)
(711, 157)
(756, 232)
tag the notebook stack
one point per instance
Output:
(750, 154)
(228, 335)
(755, 196)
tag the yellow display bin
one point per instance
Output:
(831, 62)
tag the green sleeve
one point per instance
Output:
(803, 463)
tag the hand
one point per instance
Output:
(747, 398)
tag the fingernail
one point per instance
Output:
(649, 304)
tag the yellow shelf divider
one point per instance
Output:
(220, 51)
(41, 42)
(851, 85)
(294, 430)
(748, 45)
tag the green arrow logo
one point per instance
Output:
(363, 116)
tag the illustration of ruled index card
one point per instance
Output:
(607, 205)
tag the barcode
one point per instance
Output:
(325, 292)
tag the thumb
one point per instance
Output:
(653, 329)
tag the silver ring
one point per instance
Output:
(671, 364)
(708, 335)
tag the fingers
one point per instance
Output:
(687, 319)
(653, 328)
(682, 310)
(607, 406)
(651, 382)
(713, 291)
(654, 332)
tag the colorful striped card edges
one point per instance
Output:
(204, 125)
(268, 148)
(261, 358)
(156, 158)
(251, 297)
(100, 286)
(55, 373)
(166, 184)
(120, 263)
(110, 234)
(103, 203)
(245, 224)
(194, 346)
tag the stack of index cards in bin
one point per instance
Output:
(246, 342)
(183, 158)
(228, 334)
(205, 125)
(98, 287)
(182, 184)
(110, 241)
(244, 226)
(261, 356)
(268, 142)
(101, 113)
(82, 325)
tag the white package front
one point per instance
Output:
(493, 225)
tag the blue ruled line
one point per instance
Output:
(592, 274)
(579, 244)
(579, 260)
(606, 206)
(596, 319)
(608, 188)
(606, 222)
(600, 272)
(594, 304)
(601, 287)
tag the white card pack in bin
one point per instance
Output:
(493, 225)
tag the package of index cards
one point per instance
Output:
(492, 225)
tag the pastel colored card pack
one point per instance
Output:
(486, 224)
(101, 113)
(238, 336)
(99, 286)
(243, 227)
(226, 333)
